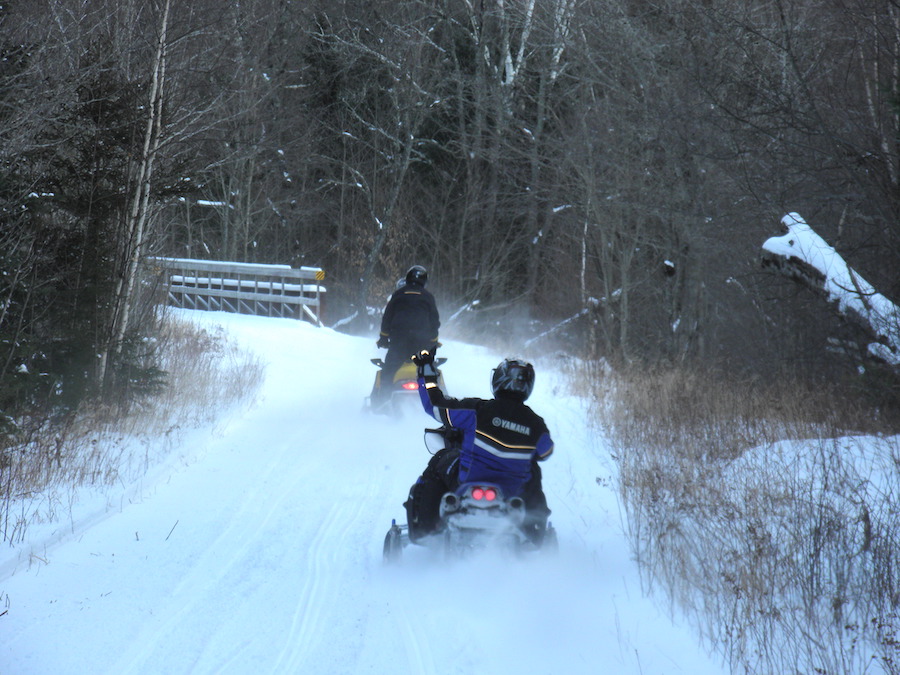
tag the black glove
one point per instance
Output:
(424, 361)
(383, 342)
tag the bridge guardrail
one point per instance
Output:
(244, 288)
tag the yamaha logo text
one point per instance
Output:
(512, 426)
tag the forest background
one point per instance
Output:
(618, 161)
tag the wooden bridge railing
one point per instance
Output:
(244, 288)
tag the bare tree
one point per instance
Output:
(139, 211)
(378, 121)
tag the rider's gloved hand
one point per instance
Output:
(383, 342)
(424, 361)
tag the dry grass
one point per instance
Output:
(755, 512)
(41, 473)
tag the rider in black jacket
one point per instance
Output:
(501, 441)
(410, 324)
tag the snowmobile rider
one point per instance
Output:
(410, 324)
(502, 441)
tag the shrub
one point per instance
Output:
(45, 460)
(749, 504)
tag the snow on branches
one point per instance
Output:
(805, 257)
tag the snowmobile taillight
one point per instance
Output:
(487, 494)
(410, 386)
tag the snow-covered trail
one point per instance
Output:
(263, 554)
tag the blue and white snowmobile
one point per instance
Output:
(476, 516)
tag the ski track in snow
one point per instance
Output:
(274, 565)
(221, 558)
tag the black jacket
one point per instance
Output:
(411, 315)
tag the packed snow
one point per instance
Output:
(257, 547)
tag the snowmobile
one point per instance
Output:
(404, 389)
(476, 516)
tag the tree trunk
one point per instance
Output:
(138, 215)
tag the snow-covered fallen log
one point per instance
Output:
(806, 258)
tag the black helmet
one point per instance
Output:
(417, 275)
(514, 378)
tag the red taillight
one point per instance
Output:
(487, 494)
(410, 386)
